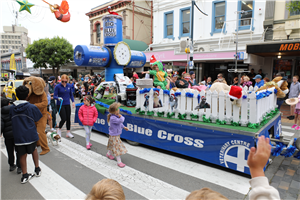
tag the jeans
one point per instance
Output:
(279, 103)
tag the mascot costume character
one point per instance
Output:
(38, 97)
(159, 74)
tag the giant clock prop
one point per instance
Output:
(114, 55)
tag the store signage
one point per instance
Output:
(274, 48)
(290, 47)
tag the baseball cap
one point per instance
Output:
(51, 79)
(192, 72)
(257, 76)
(174, 75)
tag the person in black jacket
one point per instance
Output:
(6, 129)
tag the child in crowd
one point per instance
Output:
(24, 116)
(260, 188)
(106, 189)
(247, 82)
(6, 129)
(115, 145)
(49, 108)
(297, 113)
(88, 115)
(82, 91)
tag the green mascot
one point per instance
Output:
(158, 72)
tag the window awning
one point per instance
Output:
(136, 45)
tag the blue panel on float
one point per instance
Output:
(112, 29)
(138, 59)
(93, 56)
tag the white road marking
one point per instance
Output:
(141, 183)
(284, 133)
(288, 127)
(51, 185)
(216, 176)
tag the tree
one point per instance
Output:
(294, 6)
(50, 53)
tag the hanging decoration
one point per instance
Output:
(61, 12)
(25, 5)
(157, 103)
(203, 104)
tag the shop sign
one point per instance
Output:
(290, 47)
(183, 64)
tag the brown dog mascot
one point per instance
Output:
(38, 97)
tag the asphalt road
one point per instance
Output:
(69, 171)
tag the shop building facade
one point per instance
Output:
(280, 51)
(136, 20)
(214, 35)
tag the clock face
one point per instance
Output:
(122, 53)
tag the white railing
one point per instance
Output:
(249, 109)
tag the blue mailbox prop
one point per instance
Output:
(114, 54)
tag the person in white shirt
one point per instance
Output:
(260, 188)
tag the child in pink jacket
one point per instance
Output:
(88, 115)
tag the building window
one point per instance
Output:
(168, 28)
(185, 17)
(218, 16)
(19, 37)
(295, 13)
(246, 18)
(98, 34)
(2, 36)
(5, 36)
(9, 41)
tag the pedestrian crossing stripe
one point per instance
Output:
(139, 182)
(51, 185)
(219, 177)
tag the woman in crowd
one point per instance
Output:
(63, 94)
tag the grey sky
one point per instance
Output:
(42, 23)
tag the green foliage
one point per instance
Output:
(55, 52)
(293, 6)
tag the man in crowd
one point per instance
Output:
(294, 93)
(220, 79)
(208, 81)
(251, 75)
(259, 82)
(260, 73)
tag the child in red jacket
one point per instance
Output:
(88, 115)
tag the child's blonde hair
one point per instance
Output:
(112, 109)
(247, 78)
(106, 189)
(205, 194)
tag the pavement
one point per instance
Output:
(69, 171)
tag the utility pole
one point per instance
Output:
(236, 48)
(192, 32)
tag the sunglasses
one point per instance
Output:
(64, 81)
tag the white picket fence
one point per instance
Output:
(221, 108)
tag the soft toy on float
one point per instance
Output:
(38, 97)
(235, 94)
(280, 84)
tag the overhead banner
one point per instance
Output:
(221, 148)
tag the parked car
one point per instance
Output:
(9, 91)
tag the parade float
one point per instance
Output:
(215, 126)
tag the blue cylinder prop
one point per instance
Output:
(113, 30)
(138, 59)
(93, 56)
